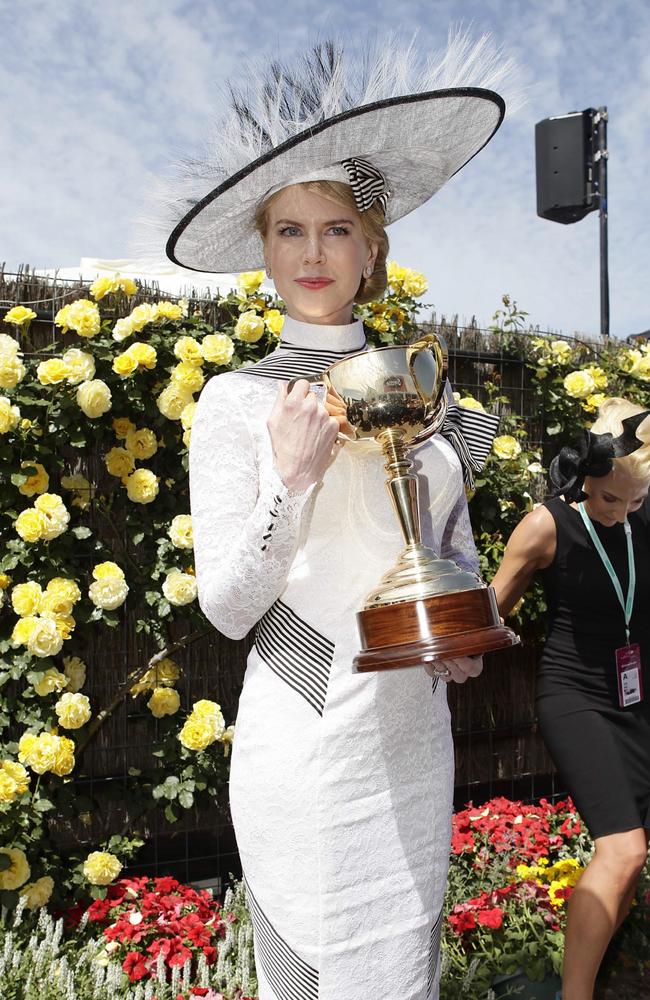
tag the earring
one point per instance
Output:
(268, 271)
(368, 271)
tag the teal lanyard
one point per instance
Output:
(627, 604)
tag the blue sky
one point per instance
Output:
(99, 97)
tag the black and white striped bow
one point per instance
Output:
(470, 433)
(368, 184)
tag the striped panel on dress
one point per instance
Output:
(290, 361)
(434, 953)
(289, 975)
(296, 652)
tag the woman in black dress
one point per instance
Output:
(592, 713)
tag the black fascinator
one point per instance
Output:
(592, 455)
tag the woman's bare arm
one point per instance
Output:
(531, 547)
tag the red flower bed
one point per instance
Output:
(143, 918)
(525, 832)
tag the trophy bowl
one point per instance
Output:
(425, 608)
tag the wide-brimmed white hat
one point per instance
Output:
(392, 129)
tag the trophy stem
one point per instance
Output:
(402, 486)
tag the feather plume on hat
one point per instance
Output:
(413, 122)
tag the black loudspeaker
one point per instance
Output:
(564, 166)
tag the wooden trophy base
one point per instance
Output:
(464, 623)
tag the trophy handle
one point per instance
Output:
(437, 406)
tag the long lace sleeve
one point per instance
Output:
(458, 540)
(246, 524)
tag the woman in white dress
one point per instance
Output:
(341, 783)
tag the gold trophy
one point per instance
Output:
(425, 608)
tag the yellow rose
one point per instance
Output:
(227, 738)
(274, 321)
(18, 775)
(180, 531)
(64, 623)
(9, 415)
(642, 369)
(9, 346)
(5, 581)
(81, 489)
(249, 327)
(217, 348)
(112, 286)
(188, 376)
(23, 629)
(123, 329)
(189, 350)
(26, 598)
(37, 482)
(44, 639)
(144, 355)
(506, 447)
(37, 894)
(55, 514)
(164, 701)
(64, 757)
(61, 595)
(40, 755)
(73, 710)
(163, 674)
(19, 316)
(30, 525)
(52, 681)
(592, 403)
(109, 593)
(122, 426)
(173, 400)
(415, 284)
(598, 375)
(249, 281)
(12, 371)
(471, 404)
(18, 871)
(75, 672)
(142, 486)
(26, 747)
(94, 398)
(142, 315)
(8, 788)
(169, 310)
(211, 711)
(108, 570)
(560, 350)
(119, 462)
(197, 733)
(81, 316)
(52, 372)
(187, 416)
(80, 365)
(396, 276)
(579, 384)
(179, 588)
(101, 868)
(142, 443)
(628, 360)
(124, 364)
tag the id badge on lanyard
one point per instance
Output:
(629, 674)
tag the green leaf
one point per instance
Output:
(81, 532)
(170, 814)
(43, 805)
(186, 799)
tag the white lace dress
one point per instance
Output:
(341, 783)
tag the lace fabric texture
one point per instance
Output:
(247, 526)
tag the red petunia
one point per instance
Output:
(491, 918)
(462, 922)
(135, 966)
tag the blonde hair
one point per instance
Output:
(610, 419)
(372, 225)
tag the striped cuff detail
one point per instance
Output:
(434, 953)
(290, 977)
(296, 652)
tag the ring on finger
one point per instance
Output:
(445, 672)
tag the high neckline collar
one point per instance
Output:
(346, 338)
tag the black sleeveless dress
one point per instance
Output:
(601, 751)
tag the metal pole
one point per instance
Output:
(600, 158)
